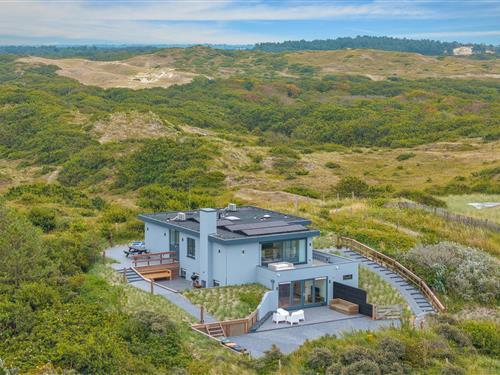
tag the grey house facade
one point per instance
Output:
(247, 244)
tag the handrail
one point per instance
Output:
(395, 266)
(153, 282)
(153, 257)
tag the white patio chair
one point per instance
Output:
(300, 314)
(295, 317)
(280, 316)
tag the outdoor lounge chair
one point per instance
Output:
(295, 317)
(280, 316)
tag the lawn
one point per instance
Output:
(460, 204)
(228, 302)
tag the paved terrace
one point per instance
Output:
(319, 321)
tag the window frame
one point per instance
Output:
(191, 252)
(285, 248)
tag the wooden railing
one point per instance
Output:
(395, 266)
(154, 258)
(233, 327)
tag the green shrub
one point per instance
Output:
(464, 272)
(452, 333)
(43, 217)
(284, 151)
(421, 197)
(86, 166)
(349, 185)
(319, 359)
(485, 336)
(363, 367)
(449, 369)
(304, 191)
(405, 156)
(270, 362)
(332, 165)
(354, 354)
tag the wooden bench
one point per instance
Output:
(157, 272)
(344, 306)
(167, 274)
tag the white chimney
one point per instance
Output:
(232, 207)
(208, 226)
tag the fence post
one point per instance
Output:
(202, 314)
(125, 275)
(151, 286)
(374, 312)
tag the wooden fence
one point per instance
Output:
(387, 312)
(395, 266)
(447, 215)
(234, 327)
(164, 257)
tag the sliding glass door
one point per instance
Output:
(303, 293)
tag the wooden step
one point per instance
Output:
(215, 330)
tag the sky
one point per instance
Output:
(36, 22)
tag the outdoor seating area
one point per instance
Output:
(281, 315)
(344, 306)
(301, 318)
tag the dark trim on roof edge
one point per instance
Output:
(232, 241)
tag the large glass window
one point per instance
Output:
(303, 293)
(293, 251)
(191, 252)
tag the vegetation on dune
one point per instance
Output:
(67, 193)
(228, 302)
(425, 46)
(457, 270)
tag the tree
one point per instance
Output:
(349, 185)
(22, 254)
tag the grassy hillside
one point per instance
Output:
(78, 163)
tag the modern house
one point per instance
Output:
(247, 244)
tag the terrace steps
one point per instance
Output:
(417, 301)
(215, 330)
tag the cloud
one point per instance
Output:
(452, 34)
(171, 21)
(189, 21)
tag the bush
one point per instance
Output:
(269, 363)
(304, 191)
(363, 367)
(319, 359)
(332, 165)
(465, 272)
(392, 349)
(349, 185)
(485, 336)
(354, 354)
(42, 217)
(422, 198)
(452, 333)
(450, 369)
(284, 151)
(405, 156)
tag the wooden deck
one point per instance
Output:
(157, 266)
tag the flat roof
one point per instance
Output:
(245, 222)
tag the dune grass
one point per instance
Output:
(228, 302)
(379, 291)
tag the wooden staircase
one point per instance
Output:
(215, 330)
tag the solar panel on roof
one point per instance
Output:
(269, 224)
(273, 230)
(223, 223)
